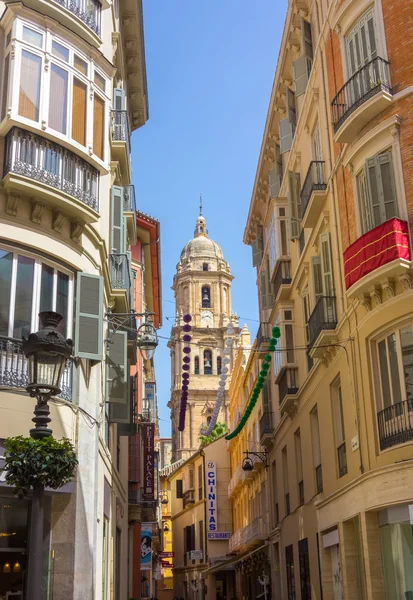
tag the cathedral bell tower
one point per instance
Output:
(202, 287)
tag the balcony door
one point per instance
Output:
(361, 46)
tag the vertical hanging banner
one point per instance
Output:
(211, 494)
(146, 547)
(148, 436)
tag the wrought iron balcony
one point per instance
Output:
(288, 384)
(129, 200)
(282, 278)
(88, 11)
(46, 162)
(313, 193)
(13, 368)
(323, 317)
(395, 424)
(120, 126)
(266, 425)
(371, 80)
(119, 272)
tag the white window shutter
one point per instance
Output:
(387, 186)
(117, 222)
(291, 110)
(317, 278)
(286, 132)
(295, 216)
(302, 70)
(275, 183)
(117, 374)
(89, 316)
(306, 39)
(118, 99)
(123, 413)
(326, 264)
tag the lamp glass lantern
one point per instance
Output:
(147, 340)
(247, 464)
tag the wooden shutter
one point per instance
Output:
(317, 277)
(364, 202)
(79, 112)
(302, 69)
(179, 490)
(286, 126)
(117, 229)
(294, 204)
(98, 124)
(89, 317)
(118, 99)
(263, 289)
(381, 188)
(123, 413)
(275, 175)
(117, 374)
(258, 246)
(316, 144)
(326, 264)
(306, 39)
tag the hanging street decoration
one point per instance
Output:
(258, 385)
(186, 328)
(221, 385)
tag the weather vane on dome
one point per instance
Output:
(200, 205)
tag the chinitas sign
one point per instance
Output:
(211, 487)
(148, 436)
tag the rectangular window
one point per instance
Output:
(315, 432)
(35, 38)
(24, 297)
(60, 51)
(6, 265)
(200, 483)
(58, 99)
(304, 560)
(191, 479)
(361, 45)
(395, 362)
(289, 564)
(79, 111)
(29, 94)
(299, 466)
(340, 435)
(100, 81)
(285, 480)
(80, 64)
(5, 86)
(274, 487)
(179, 488)
(98, 121)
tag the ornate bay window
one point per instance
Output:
(30, 285)
(53, 86)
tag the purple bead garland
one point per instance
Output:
(185, 367)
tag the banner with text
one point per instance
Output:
(211, 489)
(146, 546)
(148, 436)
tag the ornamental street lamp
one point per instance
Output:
(47, 352)
(147, 338)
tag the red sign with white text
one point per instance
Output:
(167, 554)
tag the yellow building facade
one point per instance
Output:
(329, 229)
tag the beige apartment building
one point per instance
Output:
(329, 225)
(73, 89)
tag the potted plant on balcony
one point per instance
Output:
(29, 461)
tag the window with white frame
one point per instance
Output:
(361, 43)
(276, 235)
(285, 355)
(376, 189)
(394, 359)
(31, 285)
(50, 82)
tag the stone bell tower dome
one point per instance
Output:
(202, 287)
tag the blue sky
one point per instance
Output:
(210, 67)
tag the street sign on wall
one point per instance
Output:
(196, 555)
(219, 535)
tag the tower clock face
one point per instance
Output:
(207, 318)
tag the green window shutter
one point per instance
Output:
(275, 183)
(387, 185)
(263, 290)
(294, 204)
(286, 126)
(306, 39)
(302, 70)
(123, 413)
(317, 278)
(118, 99)
(117, 373)
(258, 246)
(117, 238)
(326, 264)
(89, 316)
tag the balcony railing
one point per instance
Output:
(13, 368)
(263, 333)
(119, 272)
(319, 479)
(315, 181)
(120, 127)
(88, 11)
(266, 424)
(129, 199)
(282, 276)
(395, 424)
(288, 384)
(42, 160)
(364, 84)
(342, 459)
(323, 317)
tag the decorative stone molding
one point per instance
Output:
(337, 29)
(350, 167)
(37, 212)
(388, 288)
(44, 125)
(287, 81)
(12, 51)
(375, 294)
(76, 230)
(405, 281)
(365, 301)
(12, 201)
(59, 219)
(46, 62)
(395, 131)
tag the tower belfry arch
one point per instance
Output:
(202, 288)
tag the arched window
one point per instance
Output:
(196, 361)
(207, 362)
(209, 419)
(219, 365)
(206, 297)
